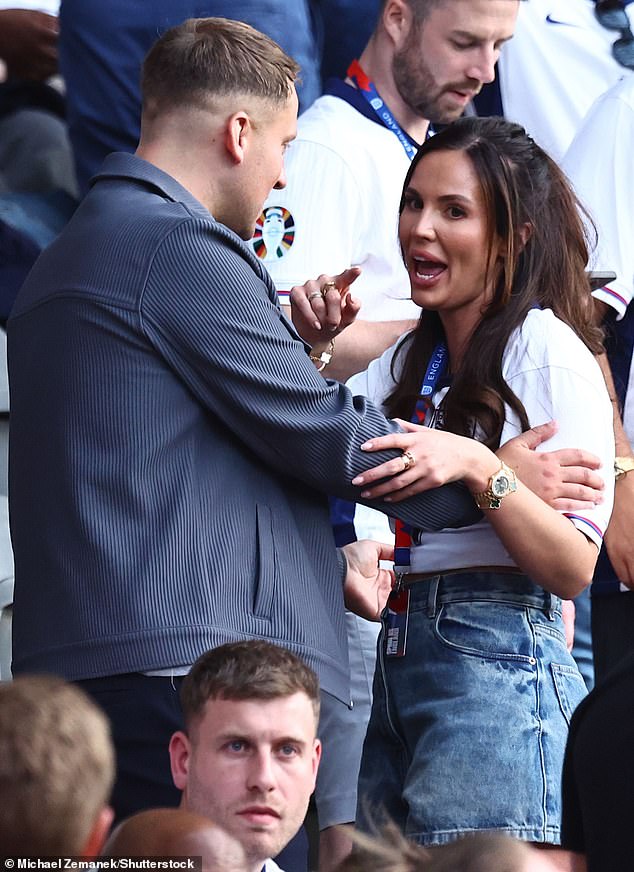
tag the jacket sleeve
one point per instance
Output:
(210, 310)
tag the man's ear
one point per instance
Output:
(180, 753)
(316, 758)
(397, 21)
(98, 833)
(237, 131)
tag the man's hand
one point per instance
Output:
(318, 314)
(28, 43)
(568, 612)
(618, 540)
(367, 586)
(618, 537)
(565, 479)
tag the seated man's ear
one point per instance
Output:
(180, 751)
(237, 130)
(317, 749)
(98, 833)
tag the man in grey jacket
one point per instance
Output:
(172, 441)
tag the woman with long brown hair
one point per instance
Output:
(474, 685)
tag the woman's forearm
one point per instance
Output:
(543, 543)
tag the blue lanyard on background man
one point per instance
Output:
(368, 90)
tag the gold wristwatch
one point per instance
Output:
(622, 465)
(501, 483)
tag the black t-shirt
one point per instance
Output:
(598, 776)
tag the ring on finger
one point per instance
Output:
(408, 460)
(328, 286)
(314, 295)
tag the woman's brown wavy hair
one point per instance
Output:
(523, 189)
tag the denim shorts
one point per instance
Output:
(468, 729)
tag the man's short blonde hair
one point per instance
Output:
(56, 767)
(204, 59)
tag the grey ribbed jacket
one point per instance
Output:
(171, 445)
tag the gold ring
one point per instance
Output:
(328, 286)
(408, 460)
(313, 295)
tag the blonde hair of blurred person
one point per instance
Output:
(390, 851)
(175, 832)
(56, 769)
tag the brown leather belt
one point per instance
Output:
(414, 577)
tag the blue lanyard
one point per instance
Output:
(368, 90)
(434, 372)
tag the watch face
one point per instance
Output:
(623, 465)
(500, 485)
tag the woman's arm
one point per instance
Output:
(543, 543)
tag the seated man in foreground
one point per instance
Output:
(56, 770)
(249, 754)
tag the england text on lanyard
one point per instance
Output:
(434, 372)
(368, 89)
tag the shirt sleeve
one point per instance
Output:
(377, 381)
(556, 378)
(600, 166)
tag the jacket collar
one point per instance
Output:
(121, 165)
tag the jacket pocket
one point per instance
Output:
(264, 584)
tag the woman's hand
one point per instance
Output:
(565, 479)
(568, 616)
(323, 307)
(430, 458)
(564, 562)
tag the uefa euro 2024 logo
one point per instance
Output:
(274, 233)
